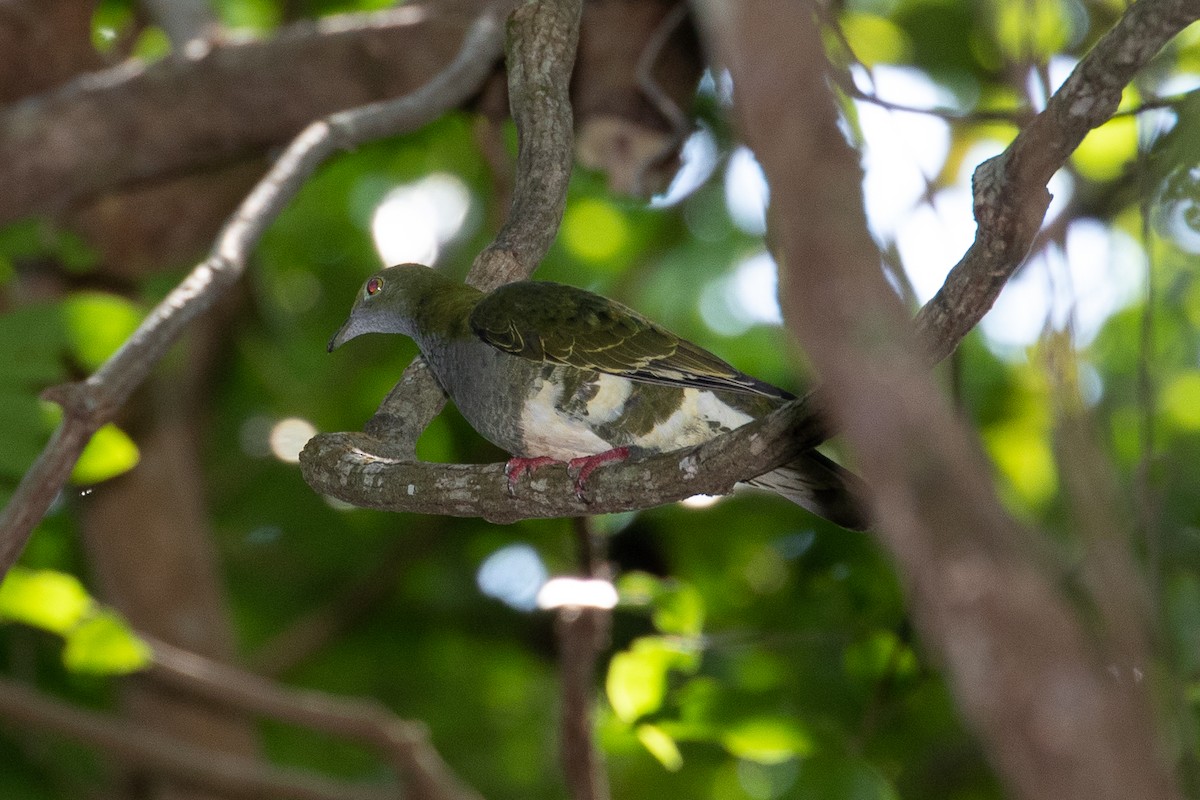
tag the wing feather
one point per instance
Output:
(557, 324)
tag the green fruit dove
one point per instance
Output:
(552, 373)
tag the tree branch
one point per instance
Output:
(405, 743)
(1024, 670)
(1010, 189)
(231, 775)
(90, 404)
(191, 111)
(347, 466)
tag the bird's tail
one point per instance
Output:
(820, 485)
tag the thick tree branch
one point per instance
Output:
(90, 404)
(232, 775)
(347, 466)
(406, 744)
(1023, 668)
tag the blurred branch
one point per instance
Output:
(183, 20)
(405, 743)
(42, 44)
(582, 636)
(90, 404)
(136, 122)
(132, 745)
(1024, 670)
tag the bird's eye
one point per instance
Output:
(374, 286)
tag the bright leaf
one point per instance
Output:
(52, 601)
(767, 740)
(109, 453)
(679, 609)
(637, 678)
(97, 323)
(103, 644)
(661, 746)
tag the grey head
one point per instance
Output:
(385, 303)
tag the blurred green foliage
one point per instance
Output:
(757, 653)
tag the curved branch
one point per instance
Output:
(1025, 672)
(346, 466)
(405, 743)
(1010, 189)
(90, 404)
(230, 775)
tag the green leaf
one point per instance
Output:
(679, 609)
(767, 740)
(46, 599)
(637, 678)
(104, 644)
(109, 453)
(661, 746)
(97, 324)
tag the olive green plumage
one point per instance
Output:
(543, 369)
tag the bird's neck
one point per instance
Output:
(441, 311)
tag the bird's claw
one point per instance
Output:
(517, 467)
(581, 468)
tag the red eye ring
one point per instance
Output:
(374, 286)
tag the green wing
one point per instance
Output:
(557, 324)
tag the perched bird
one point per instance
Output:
(554, 373)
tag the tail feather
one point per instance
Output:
(821, 486)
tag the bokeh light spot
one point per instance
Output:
(288, 437)
(514, 575)
(594, 230)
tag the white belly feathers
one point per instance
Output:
(547, 429)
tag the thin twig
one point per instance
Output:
(90, 404)
(582, 635)
(231, 775)
(405, 743)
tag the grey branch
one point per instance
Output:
(183, 20)
(90, 404)
(231, 775)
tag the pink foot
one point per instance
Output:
(581, 468)
(518, 467)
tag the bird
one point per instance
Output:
(553, 373)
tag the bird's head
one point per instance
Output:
(384, 304)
